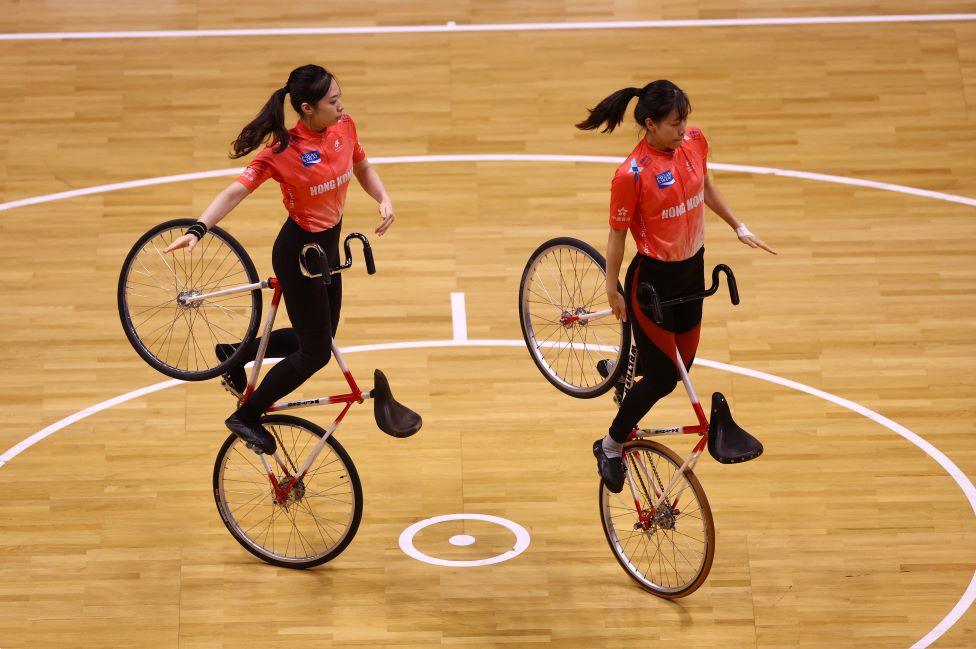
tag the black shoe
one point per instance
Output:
(253, 434)
(611, 469)
(604, 368)
(235, 378)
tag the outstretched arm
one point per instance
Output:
(716, 202)
(219, 207)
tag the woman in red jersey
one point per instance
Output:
(313, 163)
(659, 193)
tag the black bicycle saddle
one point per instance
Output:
(392, 417)
(728, 443)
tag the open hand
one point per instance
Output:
(186, 241)
(753, 241)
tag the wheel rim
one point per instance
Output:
(669, 552)
(561, 281)
(309, 527)
(177, 336)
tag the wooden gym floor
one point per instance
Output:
(843, 534)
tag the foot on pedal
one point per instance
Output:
(234, 380)
(611, 469)
(253, 434)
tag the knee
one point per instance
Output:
(315, 349)
(317, 358)
(659, 387)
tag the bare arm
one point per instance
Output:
(219, 207)
(371, 183)
(716, 202)
(616, 242)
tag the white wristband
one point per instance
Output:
(743, 231)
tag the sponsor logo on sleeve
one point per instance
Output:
(311, 158)
(249, 173)
(664, 179)
(635, 169)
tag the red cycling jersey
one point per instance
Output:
(313, 171)
(660, 196)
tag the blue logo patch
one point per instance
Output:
(311, 158)
(665, 179)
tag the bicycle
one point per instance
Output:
(305, 509)
(664, 540)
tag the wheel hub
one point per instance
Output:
(185, 299)
(569, 319)
(665, 518)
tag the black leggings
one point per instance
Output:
(313, 309)
(656, 344)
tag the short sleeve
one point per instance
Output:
(695, 135)
(623, 200)
(260, 169)
(358, 153)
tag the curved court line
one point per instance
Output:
(452, 27)
(502, 157)
(950, 467)
(941, 459)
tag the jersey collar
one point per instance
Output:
(306, 133)
(654, 151)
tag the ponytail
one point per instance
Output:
(270, 121)
(306, 85)
(655, 101)
(610, 110)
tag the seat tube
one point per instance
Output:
(689, 388)
(263, 347)
(345, 369)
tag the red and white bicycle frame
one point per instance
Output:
(700, 429)
(355, 395)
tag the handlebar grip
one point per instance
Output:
(733, 288)
(313, 263)
(367, 252)
(648, 296)
(368, 255)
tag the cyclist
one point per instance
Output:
(313, 163)
(659, 193)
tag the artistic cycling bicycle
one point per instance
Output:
(305, 508)
(660, 528)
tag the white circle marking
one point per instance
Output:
(521, 540)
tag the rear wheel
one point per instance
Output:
(566, 278)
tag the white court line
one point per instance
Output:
(948, 465)
(453, 28)
(459, 319)
(951, 618)
(504, 157)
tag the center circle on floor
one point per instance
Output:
(521, 540)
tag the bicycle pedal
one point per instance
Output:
(227, 386)
(253, 448)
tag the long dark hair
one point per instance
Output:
(307, 84)
(655, 100)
